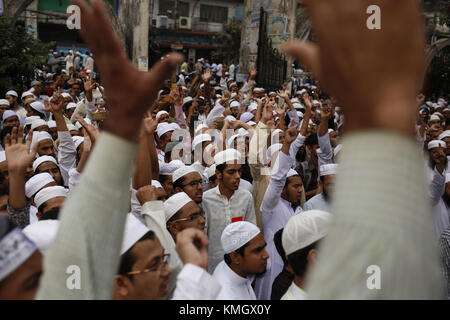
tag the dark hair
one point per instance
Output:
(298, 259)
(4, 133)
(239, 251)
(127, 259)
(179, 183)
(221, 167)
(51, 215)
(162, 178)
(312, 140)
(279, 245)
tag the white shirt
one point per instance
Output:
(317, 202)
(234, 287)
(276, 212)
(441, 212)
(220, 212)
(294, 293)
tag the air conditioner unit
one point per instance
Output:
(184, 23)
(162, 22)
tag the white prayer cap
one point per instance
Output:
(246, 117)
(233, 84)
(274, 135)
(200, 139)
(156, 183)
(252, 123)
(297, 105)
(41, 160)
(211, 171)
(36, 183)
(235, 104)
(300, 114)
(12, 93)
(272, 149)
(230, 142)
(301, 91)
(227, 156)
(77, 140)
(71, 127)
(330, 130)
(51, 124)
(78, 125)
(26, 94)
(292, 173)
(2, 156)
(272, 93)
(40, 136)
(164, 128)
(440, 115)
(305, 229)
(187, 100)
(234, 94)
(167, 169)
(134, 230)
(181, 172)
(200, 127)
(38, 123)
(65, 95)
(434, 117)
(49, 193)
(242, 132)
(42, 233)
(159, 114)
(71, 105)
(8, 114)
(4, 102)
(436, 143)
(237, 234)
(315, 102)
(175, 203)
(328, 169)
(252, 107)
(444, 135)
(38, 106)
(230, 118)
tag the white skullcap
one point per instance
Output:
(252, 107)
(49, 193)
(295, 100)
(297, 105)
(71, 105)
(200, 127)
(200, 139)
(211, 171)
(77, 140)
(78, 125)
(434, 117)
(330, 130)
(436, 143)
(274, 134)
(40, 136)
(444, 135)
(235, 104)
(328, 169)
(156, 184)
(65, 95)
(41, 160)
(292, 173)
(272, 149)
(164, 128)
(242, 132)
(4, 102)
(12, 93)
(187, 100)
(227, 156)
(71, 127)
(234, 94)
(134, 230)
(26, 94)
(237, 234)
(36, 183)
(440, 115)
(300, 114)
(38, 106)
(38, 123)
(167, 169)
(29, 120)
(42, 233)
(175, 203)
(305, 229)
(247, 116)
(230, 118)
(51, 124)
(316, 102)
(181, 172)
(8, 114)
(252, 123)
(2, 156)
(159, 114)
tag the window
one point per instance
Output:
(166, 8)
(213, 14)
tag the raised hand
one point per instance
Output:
(146, 194)
(207, 75)
(150, 125)
(308, 102)
(56, 104)
(253, 73)
(130, 92)
(325, 112)
(290, 135)
(283, 94)
(176, 97)
(91, 130)
(191, 247)
(18, 154)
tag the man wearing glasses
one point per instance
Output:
(188, 180)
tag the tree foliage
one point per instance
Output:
(20, 56)
(230, 42)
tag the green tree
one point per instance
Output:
(229, 41)
(20, 56)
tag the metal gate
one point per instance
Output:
(271, 64)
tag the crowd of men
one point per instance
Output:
(213, 189)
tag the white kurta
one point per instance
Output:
(441, 212)
(317, 202)
(295, 293)
(276, 212)
(234, 287)
(220, 212)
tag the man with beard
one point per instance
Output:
(245, 257)
(322, 200)
(439, 186)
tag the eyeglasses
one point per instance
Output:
(193, 217)
(158, 267)
(193, 183)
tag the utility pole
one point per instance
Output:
(175, 15)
